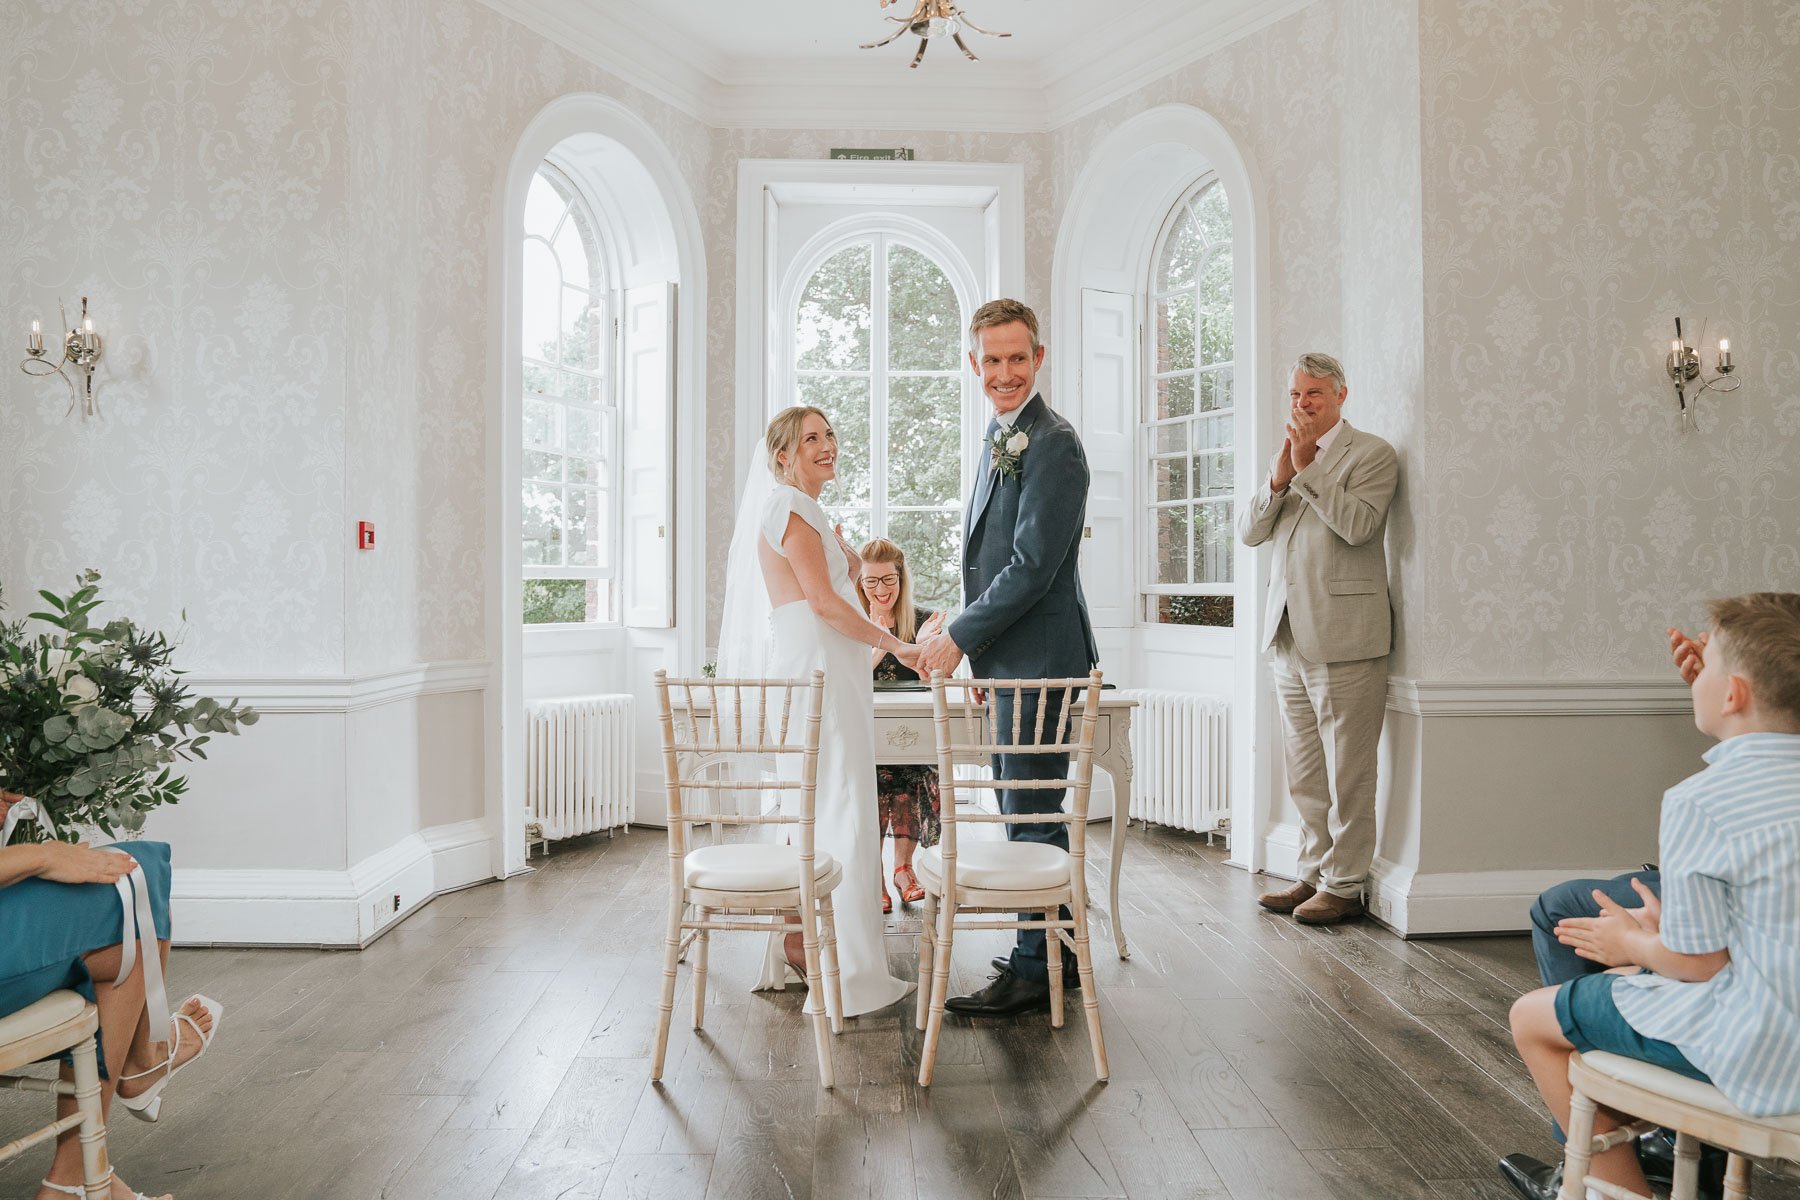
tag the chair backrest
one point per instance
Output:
(744, 726)
(1045, 716)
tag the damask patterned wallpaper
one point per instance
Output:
(1592, 168)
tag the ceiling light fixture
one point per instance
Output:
(933, 19)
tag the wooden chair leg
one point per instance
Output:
(1578, 1149)
(1737, 1178)
(699, 969)
(1687, 1166)
(96, 1173)
(1053, 958)
(1090, 995)
(926, 943)
(666, 1007)
(834, 991)
(940, 990)
(816, 1003)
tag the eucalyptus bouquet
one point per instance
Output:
(92, 716)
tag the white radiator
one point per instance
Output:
(580, 764)
(1181, 747)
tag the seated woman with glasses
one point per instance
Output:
(907, 795)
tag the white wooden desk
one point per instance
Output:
(903, 735)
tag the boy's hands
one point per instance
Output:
(1616, 937)
(1686, 652)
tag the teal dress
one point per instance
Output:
(46, 928)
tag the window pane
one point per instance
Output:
(540, 423)
(1170, 439)
(1174, 396)
(585, 432)
(1171, 551)
(1181, 254)
(1169, 479)
(933, 545)
(1193, 610)
(925, 441)
(1175, 333)
(574, 252)
(541, 516)
(1216, 308)
(586, 525)
(1213, 473)
(556, 601)
(1212, 542)
(543, 207)
(1213, 433)
(856, 522)
(924, 322)
(1212, 212)
(584, 472)
(544, 467)
(542, 294)
(832, 333)
(845, 399)
(1215, 390)
(582, 330)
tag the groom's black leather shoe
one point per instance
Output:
(1530, 1178)
(1006, 996)
(1656, 1155)
(1071, 974)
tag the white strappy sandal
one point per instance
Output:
(66, 1190)
(147, 1105)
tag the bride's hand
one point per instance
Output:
(908, 654)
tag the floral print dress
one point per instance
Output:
(906, 796)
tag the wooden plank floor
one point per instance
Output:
(496, 1045)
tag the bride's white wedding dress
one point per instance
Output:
(846, 811)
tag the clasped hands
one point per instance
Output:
(1299, 446)
(1615, 938)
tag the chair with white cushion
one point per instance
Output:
(986, 884)
(60, 1021)
(1697, 1112)
(748, 727)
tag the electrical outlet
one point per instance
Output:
(396, 901)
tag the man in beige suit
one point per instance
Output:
(1325, 509)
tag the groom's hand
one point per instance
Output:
(939, 652)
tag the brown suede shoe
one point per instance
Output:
(1288, 898)
(1327, 909)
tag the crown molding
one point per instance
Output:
(813, 93)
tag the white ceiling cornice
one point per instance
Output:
(834, 93)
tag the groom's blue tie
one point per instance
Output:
(984, 480)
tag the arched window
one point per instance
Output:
(1189, 433)
(878, 346)
(570, 412)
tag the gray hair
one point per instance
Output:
(1321, 366)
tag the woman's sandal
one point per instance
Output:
(908, 886)
(887, 901)
(66, 1190)
(147, 1105)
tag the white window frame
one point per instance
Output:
(1149, 591)
(880, 237)
(608, 291)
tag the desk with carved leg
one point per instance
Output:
(903, 736)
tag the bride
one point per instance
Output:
(791, 609)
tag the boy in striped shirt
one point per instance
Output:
(1708, 979)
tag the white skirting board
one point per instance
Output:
(1453, 902)
(328, 908)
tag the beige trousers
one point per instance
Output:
(1341, 704)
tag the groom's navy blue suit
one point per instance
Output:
(1024, 616)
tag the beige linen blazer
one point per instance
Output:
(1330, 564)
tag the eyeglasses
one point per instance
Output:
(875, 581)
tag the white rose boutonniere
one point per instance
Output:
(1005, 449)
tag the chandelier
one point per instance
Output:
(933, 19)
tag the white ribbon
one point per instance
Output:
(134, 901)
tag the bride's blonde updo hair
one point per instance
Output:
(783, 435)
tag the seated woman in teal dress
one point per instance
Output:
(907, 795)
(62, 925)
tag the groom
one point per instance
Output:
(1023, 616)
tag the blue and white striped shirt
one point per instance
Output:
(1730, 846)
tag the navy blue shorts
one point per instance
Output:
(1592, 1021)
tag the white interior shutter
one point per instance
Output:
(1109, 407)
(647, 455)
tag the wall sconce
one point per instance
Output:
(1684, 368)
(81, 348)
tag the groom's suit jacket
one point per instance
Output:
(1329, 572)
(1024, 616)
